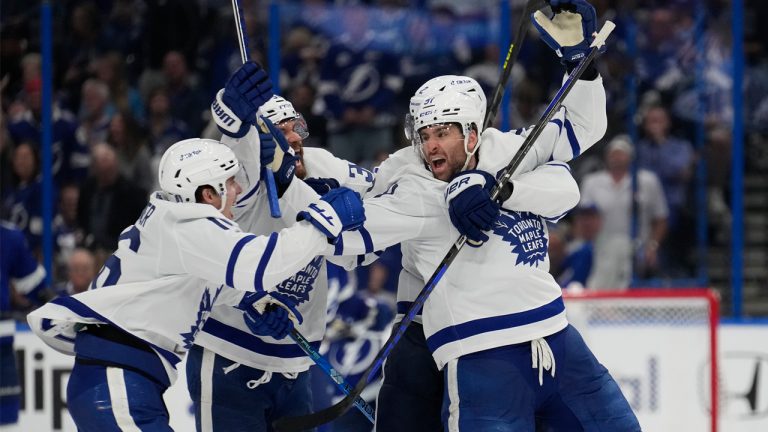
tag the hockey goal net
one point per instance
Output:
(660, 346)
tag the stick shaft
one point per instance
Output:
(266, 172)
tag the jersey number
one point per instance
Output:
(112, 264)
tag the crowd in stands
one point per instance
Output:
(131, 77)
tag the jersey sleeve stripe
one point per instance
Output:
(502, 322)
(572, 140)
(230, 276)
(218, 223)
(367, 240)
(559, 164)
(258, 281)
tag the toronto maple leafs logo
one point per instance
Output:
(525, 232)
(299, 285)
(203, 311)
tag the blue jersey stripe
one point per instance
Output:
(485, 325)
(338, 248)
(559, 164)
(84, 311)
(403, 306)
(218, 223)
(248, 195)
(253, 343)
(230, 277)
(258, 280)
(572, 140)
(367, 240)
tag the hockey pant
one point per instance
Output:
(231, 397)
(117, 384)
(499, 390)
(411, 395)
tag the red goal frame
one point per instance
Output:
(713, 301)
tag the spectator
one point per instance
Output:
(94, 113)
(70, 156)
(110, 69)
(672, 160)
(22, 199)
(66, 234)
(187, 102)
(357, 91)
(164, 130)
(610, 190)
(578, 262)
(81, 270)
(134, 158)
(108, 202)
(302, 96)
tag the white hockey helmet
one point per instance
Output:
(196, 162)
(278, 110)
(451, 106)
(440, 84)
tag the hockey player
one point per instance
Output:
(241, 381)
(20, 273)
(182, 256)
(496, 321)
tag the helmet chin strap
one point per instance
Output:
(466, 148)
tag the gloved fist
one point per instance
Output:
(269, 313)
(235, 105)
(470, 206)
(339, 210)
(322, 185)
(570, 31)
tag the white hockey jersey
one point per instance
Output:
(502, 292)
(170, 269)
(225, 332)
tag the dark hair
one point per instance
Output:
(199, 192)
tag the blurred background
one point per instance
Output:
(687, 85)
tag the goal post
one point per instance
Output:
(661, 347)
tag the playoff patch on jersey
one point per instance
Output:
(299, 285)
(525, 232)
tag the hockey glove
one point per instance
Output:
(339, 210)
(570, 31)
(322, 185)
(235, 105)
(470, 206)
(275, 150)
(269, 313)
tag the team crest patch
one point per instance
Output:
(525, 232)
(203, 311)
(299, 285)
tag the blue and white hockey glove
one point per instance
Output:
(470, 206)
(235, 106)
(570, 31)
(322, 185)
(269, 313)
(275, 150)
(339, 210)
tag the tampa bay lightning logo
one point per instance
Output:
(299, 285)
(525, 232)
(203, 311)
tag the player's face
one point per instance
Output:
(295, 130)
(443, 148)
(233, 190)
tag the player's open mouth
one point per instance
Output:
(437, 163)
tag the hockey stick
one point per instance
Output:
(337, 378)
(531, 6)
(291, 424)
(266, 171)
